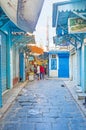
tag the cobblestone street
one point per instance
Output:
(44, 105)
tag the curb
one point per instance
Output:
(80, 104)
(11, 99)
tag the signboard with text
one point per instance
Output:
(76, 25)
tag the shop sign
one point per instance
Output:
(76, 25)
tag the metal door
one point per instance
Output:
(63, 71)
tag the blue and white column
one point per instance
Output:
(83, 68)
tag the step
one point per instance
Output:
(81, 96)
(78, 91)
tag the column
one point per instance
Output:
(83, 68)
(9, 61)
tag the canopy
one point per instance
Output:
(24, 13)
(67, 18)
(36, 50)
(64, 10)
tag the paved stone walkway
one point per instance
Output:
(44, 105)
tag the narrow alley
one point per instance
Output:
(44, 105)
(42, 64)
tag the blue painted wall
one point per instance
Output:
(3, 61)
(3, 64)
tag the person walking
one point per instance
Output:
(42, 72)
(38, 72)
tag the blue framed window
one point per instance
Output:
(53, 64)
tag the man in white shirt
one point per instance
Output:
(38, 72)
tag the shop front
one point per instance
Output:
(59, 64)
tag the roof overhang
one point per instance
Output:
(24, 14)
(69, 9)
(18, 37)
(62, 12)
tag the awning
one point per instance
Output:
(64, 10)
(72, 5)
(36, 50)
(62, 13)
(24, 13)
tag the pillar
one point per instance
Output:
(9, 61)
(83, 68)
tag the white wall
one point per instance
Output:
(73, 67)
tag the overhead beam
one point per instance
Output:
(79, 14)
(76, 37)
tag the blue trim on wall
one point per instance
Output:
(59, 52)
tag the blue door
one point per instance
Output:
(63, 71)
